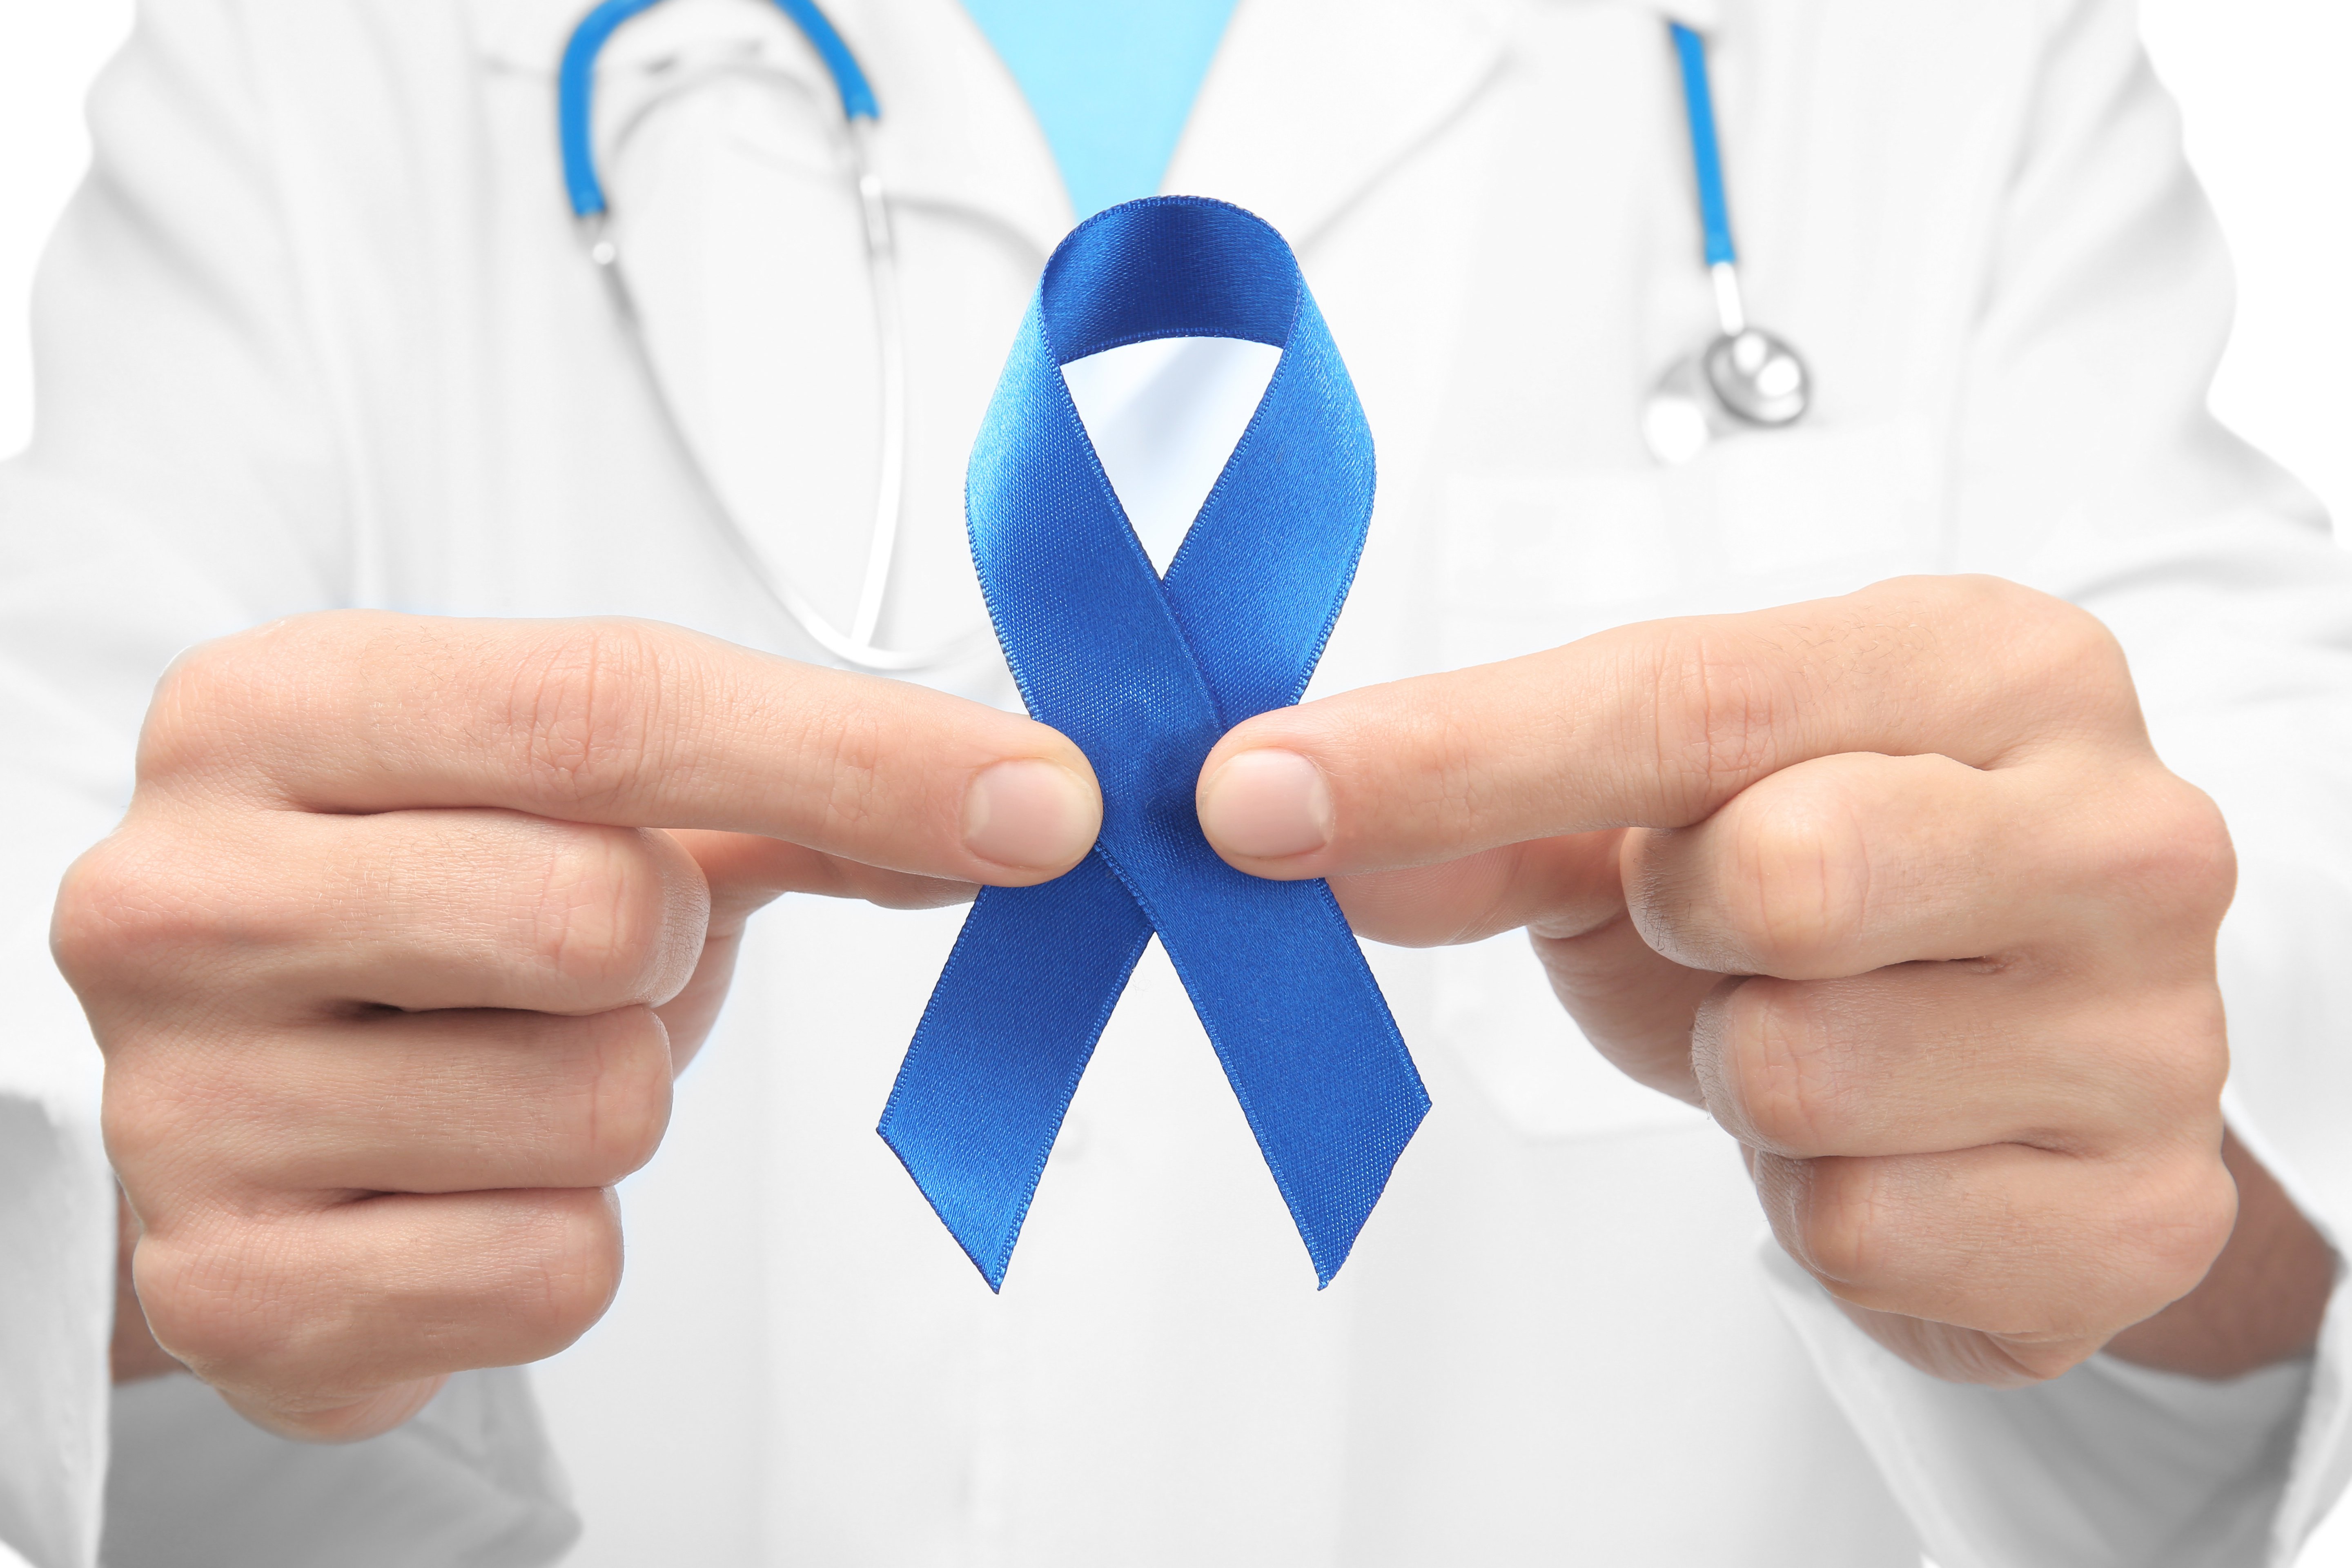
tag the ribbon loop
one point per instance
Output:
(1145, 675)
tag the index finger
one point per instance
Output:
(628, 723)
(1659, 724)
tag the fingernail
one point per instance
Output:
(1030, 814)
(1267, 804)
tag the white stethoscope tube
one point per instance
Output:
(855, 644)
(890, 336)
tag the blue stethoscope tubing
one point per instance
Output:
(575, 113)
(575, 86)
(1706, 151)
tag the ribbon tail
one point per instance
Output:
(1009, 1030)
(1306, 1041)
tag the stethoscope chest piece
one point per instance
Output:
(1745, 378)
(1759, 378)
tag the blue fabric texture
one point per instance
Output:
(1111, 81)
(1146, 675)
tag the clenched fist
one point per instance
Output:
(1894, 886)
(411, 924)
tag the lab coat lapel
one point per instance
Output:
(1309, 101)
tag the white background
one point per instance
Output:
(2269, 127)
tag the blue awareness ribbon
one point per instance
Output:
(1145, 675)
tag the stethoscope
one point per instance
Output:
(1743, 379)
(574, 98)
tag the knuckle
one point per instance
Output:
(2038, 643)
(1772, 1069)
(196, 1292)
(1794, 882)
(96, 927)
(2169, 1061)
(847, 742)
(574, 1269)
(2180, 859)
(1716, 715)
(136, 912)
(603, 919)
(583, 713)
(1839, 1223)
(625, 1109)
(200, 687)
(127, 903)
(2176, 1222)
(214, 695)
(2068, 649)
(2079, 643)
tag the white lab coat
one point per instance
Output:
(319, 333)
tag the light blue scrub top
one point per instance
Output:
(1111, 81)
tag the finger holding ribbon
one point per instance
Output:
(1895, 888)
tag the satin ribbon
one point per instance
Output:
(1145, 675)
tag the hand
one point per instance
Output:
(1895, 887)
(408, 927)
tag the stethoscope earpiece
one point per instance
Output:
(1746, 378)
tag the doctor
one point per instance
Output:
(1877, 906)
